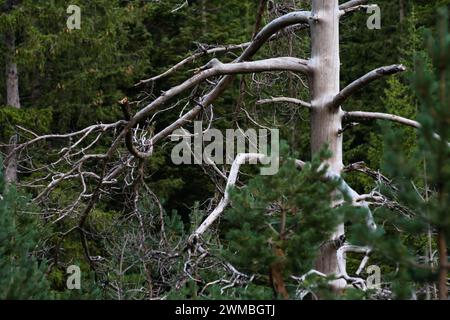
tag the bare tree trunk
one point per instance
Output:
(325, 121)
(12, 76)
(259, 15)
(443, 266)
(402, 10)
(12, 99)
(204, 20)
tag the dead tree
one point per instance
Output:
(132, 143)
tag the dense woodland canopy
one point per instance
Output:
(135, 240)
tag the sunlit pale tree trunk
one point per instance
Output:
(326, 121)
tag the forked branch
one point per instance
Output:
(212, 69)
(232, 177)
(263, 36)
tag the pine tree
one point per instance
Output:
(277, 223)
(433, 89)
(22, 276)
(415, 209)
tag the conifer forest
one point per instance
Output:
(224, 150)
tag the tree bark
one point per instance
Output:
(12, 76)
(443, 266)
(326, 122)
(402, 10)
(204, 20)
(259, 15)
(12, 99)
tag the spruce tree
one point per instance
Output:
(277, 223)
(414, 212)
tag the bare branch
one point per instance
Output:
(355, 197)
(214, 68)
(234, 171)
(341, 261)
(353, 9)
(262, 37)
(286, 100)
(181, 6)
(299, 164)
(362, 115)
(352, 4)
(86, 131)
(273, 27)
(193, 57)
(231, 181)
(362, 167)
(364, 81)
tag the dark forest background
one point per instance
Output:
(70, 79)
